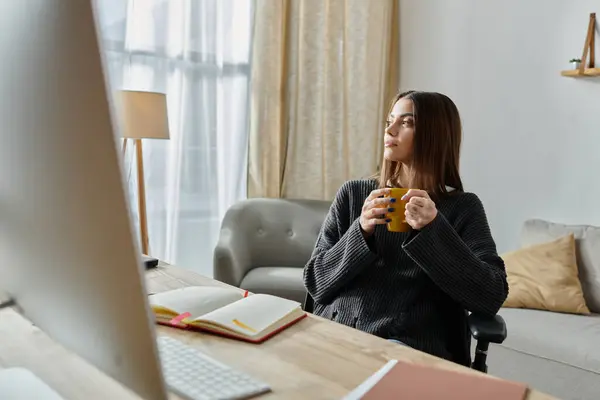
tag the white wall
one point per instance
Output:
(531, 137)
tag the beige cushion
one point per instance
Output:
(587, 243)
(545, 277)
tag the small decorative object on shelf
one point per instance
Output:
(575, 62)
(580, 69)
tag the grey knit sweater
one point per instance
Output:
(414, 287)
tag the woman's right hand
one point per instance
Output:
(374, 208)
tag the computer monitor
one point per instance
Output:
(68, 254)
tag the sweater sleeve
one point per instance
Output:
(462, 261)
(340, 254)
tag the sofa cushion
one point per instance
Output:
(555, 378)
(567, 338)
(286, 282)
(587, 241)
(544, 277)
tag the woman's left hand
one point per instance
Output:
(420, 209)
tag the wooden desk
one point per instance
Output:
(314, 359)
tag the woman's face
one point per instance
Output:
(398, 139)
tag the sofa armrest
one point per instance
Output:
(487, 329)
(231, 259)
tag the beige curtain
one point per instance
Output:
(324, 72)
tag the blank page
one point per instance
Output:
(197, 300)
(253, 314)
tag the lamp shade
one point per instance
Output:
(143, 115)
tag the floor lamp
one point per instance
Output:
(143, 116)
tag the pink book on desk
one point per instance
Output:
(411, 381)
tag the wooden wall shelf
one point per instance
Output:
(574, 73)
(587, 68)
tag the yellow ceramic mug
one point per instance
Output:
(398, 219)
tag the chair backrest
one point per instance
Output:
(277, 232)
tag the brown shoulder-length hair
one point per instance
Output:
(437, 141)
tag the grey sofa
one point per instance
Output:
(556, 353)
(265, 243)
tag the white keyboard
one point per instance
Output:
(196, 376)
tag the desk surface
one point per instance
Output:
(313, 359)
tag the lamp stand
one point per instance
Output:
(141, 193)
(141, 196)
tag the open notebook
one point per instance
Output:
(225, 311)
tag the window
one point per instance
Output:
(198, 53)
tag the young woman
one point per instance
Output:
(413, 287)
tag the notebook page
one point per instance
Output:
(252, 315)
(197, 300)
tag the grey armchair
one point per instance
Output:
(264, 245)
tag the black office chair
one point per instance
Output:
(485, 330)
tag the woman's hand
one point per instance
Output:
(420, 209)
(373, 210)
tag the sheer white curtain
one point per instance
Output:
(198, 53)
